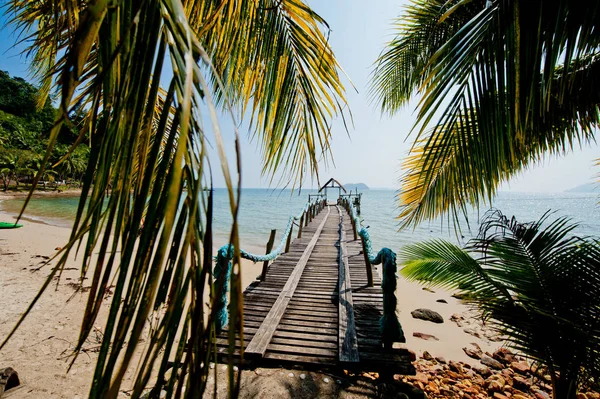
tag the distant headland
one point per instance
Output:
(586, 188)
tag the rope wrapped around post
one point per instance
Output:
(222, 269)
(391, 330)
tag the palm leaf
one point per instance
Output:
(536, 283)
(152, 234)
(516, 81)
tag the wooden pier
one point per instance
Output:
(315, 306)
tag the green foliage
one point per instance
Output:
(502, 84)
(536, 283)
(24, 134)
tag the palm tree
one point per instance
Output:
(8, 165)
(502, 83)
(265, 58)
(536, 283)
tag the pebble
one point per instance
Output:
(493, 363)
(426, 337)
(302, 376)
(235, 368)
(212, 365)
(473, 353)
(520, 367)
(427, 315)
(291, 375)
(326, 380)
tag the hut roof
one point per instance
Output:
(333, 185)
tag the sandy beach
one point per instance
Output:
(40, 350)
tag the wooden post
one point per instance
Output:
(306, 218)
(354, 228)
(263, 276)
(289, 239)
(300, 226)
(368, 264)
(310, 214)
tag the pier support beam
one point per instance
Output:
(263, 275)
(367, 263)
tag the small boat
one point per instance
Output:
(9, 225)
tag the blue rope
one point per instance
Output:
(391, 330)
(221, 274)
(222, 270)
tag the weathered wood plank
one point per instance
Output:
(260, 341)
(347, 341)
(308, 331)
(304, 350)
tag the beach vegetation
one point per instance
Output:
(537, 284)
(24, 134)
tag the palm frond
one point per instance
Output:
(273, 57)
(463, 161)
(537, 283)
(516, 81)
(152, 233)
(421, 31)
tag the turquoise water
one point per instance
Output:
(262, 210)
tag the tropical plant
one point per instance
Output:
(265, 58)
(8, 165)
(536, 283)
(502, 83)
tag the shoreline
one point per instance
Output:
(8, 195)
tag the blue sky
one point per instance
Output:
(376, 145)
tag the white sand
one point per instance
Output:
(40, 349)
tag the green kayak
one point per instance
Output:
(9, 225)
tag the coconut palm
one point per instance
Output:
(502, 83)
(267, 59)
(8, 164)
(536, 283)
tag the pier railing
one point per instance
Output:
(391, 330)
(222, 270)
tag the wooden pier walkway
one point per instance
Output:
(315, 307)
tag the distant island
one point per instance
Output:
(586, 188)
(354, 186)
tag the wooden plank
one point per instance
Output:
(299, 359)
(313, 344)
(347, 341)
(307, 324)
(260, 341)
(302, 337)
(285, 328)
(304, 350)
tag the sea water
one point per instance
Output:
(263, 209)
